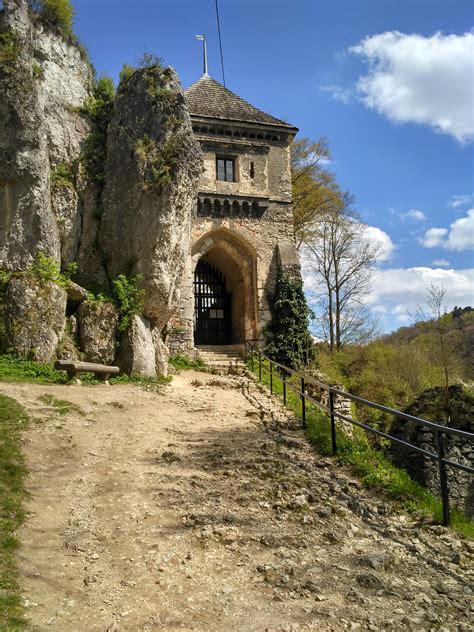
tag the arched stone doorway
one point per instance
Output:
(224, 289)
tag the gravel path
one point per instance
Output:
(201, 507)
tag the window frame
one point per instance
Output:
(226, 159)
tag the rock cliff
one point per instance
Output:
(132, 215)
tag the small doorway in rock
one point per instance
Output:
(212, 306)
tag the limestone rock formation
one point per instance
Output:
(34, 317)
(42, 84)
(152, 170)
(136, 354)
(98, 321)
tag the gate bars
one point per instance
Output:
(252, 350)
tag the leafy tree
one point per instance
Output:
(290, 342)
(314, 188)
(126, 72)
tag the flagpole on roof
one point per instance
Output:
(202, 38)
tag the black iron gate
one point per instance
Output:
(212, 315)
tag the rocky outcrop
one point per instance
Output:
(152, 170)
(42, 84)
(34, 317)
(434, 405)
(136, 354)
(98, 322)
(133, 216)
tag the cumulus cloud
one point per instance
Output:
(442, 263)
(460, 235)
(344, 95)
(378, 236)
(458, 201)
(418, 79)
(401, 290)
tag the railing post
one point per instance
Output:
(251, 357)
(333, 421)
(443, 478)
(271, 377)
(284, 386)
(259, 365)
(303, 403)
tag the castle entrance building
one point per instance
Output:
(243, 225)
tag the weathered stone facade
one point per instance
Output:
(243, 226)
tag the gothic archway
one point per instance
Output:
(232, 262)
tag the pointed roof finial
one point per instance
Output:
(202, 38)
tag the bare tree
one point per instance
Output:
(339, 254)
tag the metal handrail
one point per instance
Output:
(439, 429)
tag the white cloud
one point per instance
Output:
(460, 235)
(433, 237)
(427, 80)
(416, 215)
(376, 235)
(344, 95)
(442, 263)
(400, 290)
(458, 201)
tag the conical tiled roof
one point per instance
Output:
(208, 98)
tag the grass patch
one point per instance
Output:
(13, 420)
(368, 463)
(62, 406)
(184, 363)
(13, 369)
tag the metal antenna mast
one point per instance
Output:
(202, 38)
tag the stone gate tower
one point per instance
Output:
(243, 224)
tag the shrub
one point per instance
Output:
(10, 49)
(63, 175)
(289, 342)
(46, 269)
(60, 13)
(126, 72)
(128, 297)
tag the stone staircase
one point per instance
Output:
(222, 356)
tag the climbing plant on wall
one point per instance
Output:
(289, 340)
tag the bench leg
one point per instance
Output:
(103, 377)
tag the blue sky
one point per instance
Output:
(390, 83)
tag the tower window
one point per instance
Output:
(225, 169)
(252, 170)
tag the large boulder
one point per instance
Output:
(136, 354)
(34, 317)
(98, 328)
(152, 171)
(43, 83)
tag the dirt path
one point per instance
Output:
(202, 508)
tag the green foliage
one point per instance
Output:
(46, 269)
(38, 71)
(126, 72)
(13, 369)
(58, 12)
(13, 420)
(289, 340)
(128, 297)
(366, 461)
(63, 175)
(183, 362)
(10, 49)
(98, 107)
(159, 164)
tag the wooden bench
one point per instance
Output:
(74, 368)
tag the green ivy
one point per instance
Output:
(63, 175)
(289, 340)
